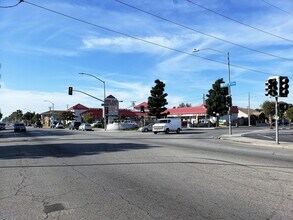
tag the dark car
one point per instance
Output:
(2, 126)
(281, 121)
(19, 127)
(74, 125)
(38, 124)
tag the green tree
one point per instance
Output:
(182, 105)
(289, 114)
(88, 118)
(1, 115)
(269, 110)
(216, 101)
(157, 101)
(36, 118)
(15, 116)
(67, 115)
(27, 117)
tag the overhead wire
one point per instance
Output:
(11, 6)
(239, 22)
(200, 32)
(274, 6)
(143, 40)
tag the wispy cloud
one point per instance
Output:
(130, 45)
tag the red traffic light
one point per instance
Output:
(70, 90)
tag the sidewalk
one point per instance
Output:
(256, 142)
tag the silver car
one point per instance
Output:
(85, 127)
(146, 128)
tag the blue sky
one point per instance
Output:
(41, 53)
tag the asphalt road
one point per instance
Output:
(61, 174)
(285, 135)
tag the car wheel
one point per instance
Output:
(155, 132)
(167, 131)
(178, 131)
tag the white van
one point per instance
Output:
(167, 125)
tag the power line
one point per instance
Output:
(145, 41)
(11, 6)
(239, 22)
(200, 32)
(274, 6)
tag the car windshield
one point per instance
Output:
(164, 121)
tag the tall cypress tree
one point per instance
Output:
(157, 100)
(216, 101)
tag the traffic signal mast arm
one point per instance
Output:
(70, 90)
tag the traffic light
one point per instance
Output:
(228, 101)
(272, 87)
(283, 86)
(283, 106)
(106, 110)
(70, 89)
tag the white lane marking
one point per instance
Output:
(265, 136)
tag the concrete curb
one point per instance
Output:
(238, 138)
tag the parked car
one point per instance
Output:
(146, 128)
(19, 127)
(282, 121)
(85, 127)
(74, 125)
(59, 125)
(2, 126)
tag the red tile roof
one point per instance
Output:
(193, 110)
(111, 97)
(144, 104)
(187, 110)
(130, 113)
(78, 107)
(95, 112)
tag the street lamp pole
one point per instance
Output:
(248, 111)
(229, 93)
(229, 80)
(52, 118)
(104, 83)
(51, 103)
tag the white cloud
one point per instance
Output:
(12, 100)
(131, 45)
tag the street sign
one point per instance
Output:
(224, 85)
(232, 83)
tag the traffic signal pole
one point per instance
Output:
(277, 86)
(277, 121)
(229, 93)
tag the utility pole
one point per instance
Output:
(248, 110)
(277, 121)
(203, 99)
(133, 104)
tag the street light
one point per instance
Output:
(51, 103)
(229, 89)
(52, 117)
(104, 113)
